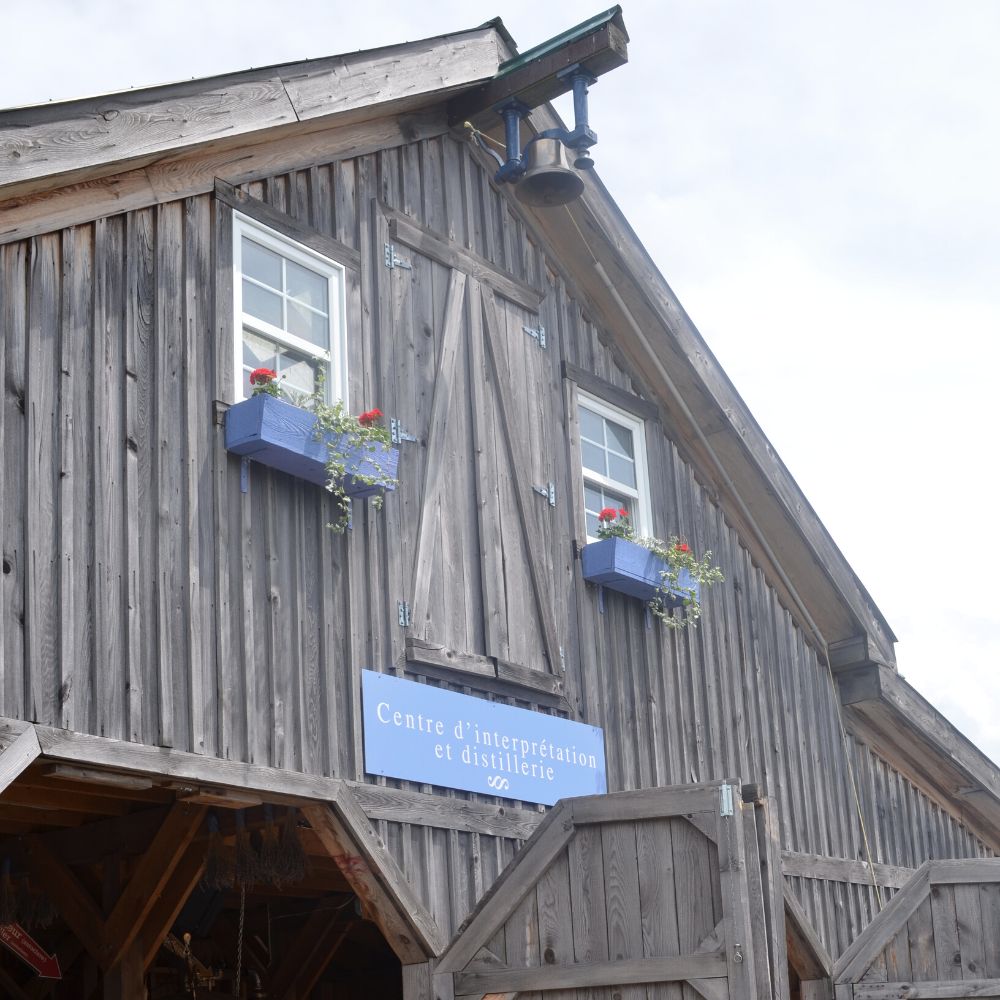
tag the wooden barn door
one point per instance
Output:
(652, 894)
(473, 564)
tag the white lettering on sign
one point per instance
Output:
(441, 737)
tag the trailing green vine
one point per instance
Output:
(346, 436)
(684, 572)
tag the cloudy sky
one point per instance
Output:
(819, 184)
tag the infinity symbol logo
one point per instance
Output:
(498, 782)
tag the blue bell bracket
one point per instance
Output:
(514, 112)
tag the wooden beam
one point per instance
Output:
(435, 460)
(373, 874)
(150, 878)
(536, 80)
(490, 672)
(597, 386)
(186, 174)
(75, 139)
(271, 784)
(17, 756)
(507, 891)
(284, 223)
(710, 965)
(856, 651)
(399, 805)
(843, 870)
(806, 952)
(965, 871)
(647, 803)
(425, 241)
(854, 962)
(168, 906)
(76, 906)
(93, 776)
(125, 980)
(939, 990)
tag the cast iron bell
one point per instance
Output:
(550, 180)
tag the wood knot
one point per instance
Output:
(549, 956)
(7, 567)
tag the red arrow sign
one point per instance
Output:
(15, 937)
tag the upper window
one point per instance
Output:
(289, 304)
(613, 457)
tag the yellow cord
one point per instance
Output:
(482, 135)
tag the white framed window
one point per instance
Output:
(289, 312)
(613, 460)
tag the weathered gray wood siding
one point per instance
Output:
(146, 598)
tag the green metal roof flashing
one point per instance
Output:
(553, 44)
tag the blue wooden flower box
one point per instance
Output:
(630, 569)
(283, 436)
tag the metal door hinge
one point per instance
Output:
(538, 333)
(393, 260)
(404, 613)
(726, 800)
(396, 432)
(548, 491)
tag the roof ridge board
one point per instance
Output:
(179, 87)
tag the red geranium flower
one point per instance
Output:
(622, 512)
(607, 514)
(261, 376)
(369, 417)
(682, 547)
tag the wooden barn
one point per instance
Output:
(443, 753)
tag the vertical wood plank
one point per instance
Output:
(621, 895)
(590, 922)
(657, 899)
(76, 500)
(168, 394)
(108, 423)
(972, 941)
(920, 933)
(989, 901)
(13, 442)
(140, 239)
(946, 944)
(43, 570)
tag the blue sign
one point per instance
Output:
(437, 737)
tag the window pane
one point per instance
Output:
(296, 370)
(306, 286)
(299, 373)
(596, 498)
(261, 303)
(622, 470)
(591, 425)
(619, 438)
(308, 325)
(259, 352)
(594, 458)
(261, 263)
(593, 497)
